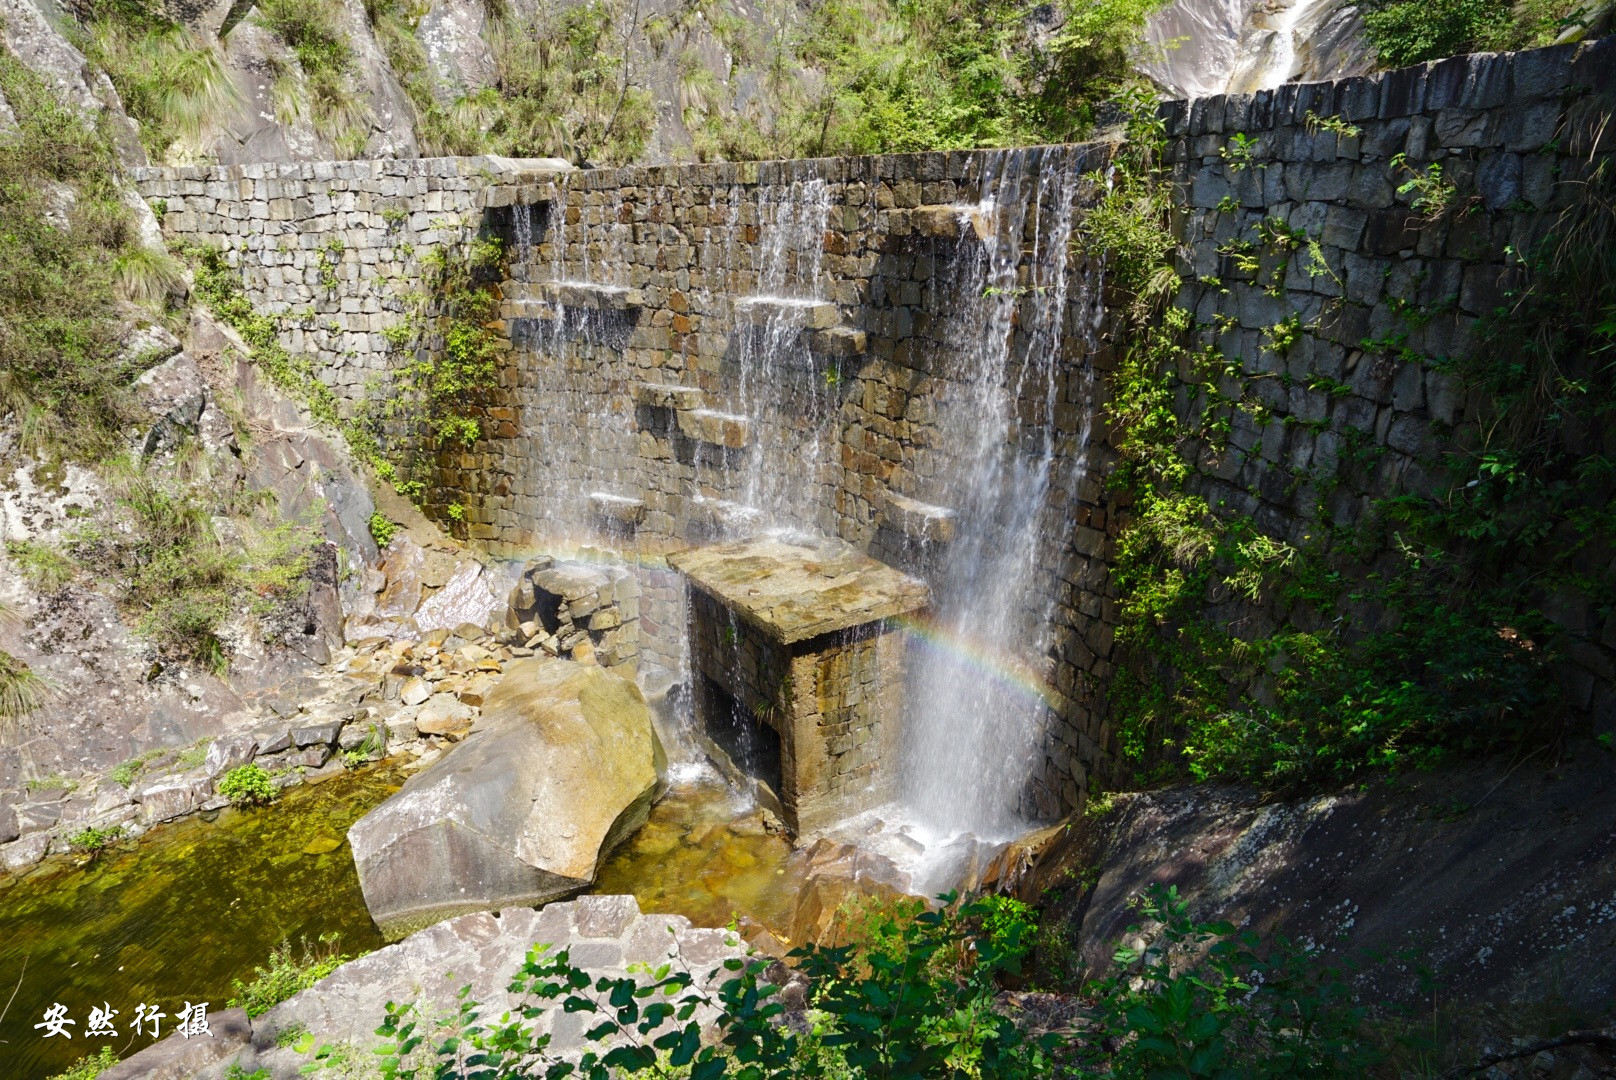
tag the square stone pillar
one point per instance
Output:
(799, 669)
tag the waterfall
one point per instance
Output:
(975, 710)
(575, 424)
(783, 390)
(1198, 47)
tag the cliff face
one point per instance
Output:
(1199, 47)
(321, 80)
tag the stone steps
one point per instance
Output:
(620, 511)
(916, 520)
(729, 430)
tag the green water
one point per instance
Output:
(191, 906)
(699, 857)
(176, 916)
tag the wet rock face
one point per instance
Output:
(562, 767)
(1502, 882)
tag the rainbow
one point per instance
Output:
(980, 656)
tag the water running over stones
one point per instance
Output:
(761, 400)
(976, 713)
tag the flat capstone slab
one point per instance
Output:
(794, 592)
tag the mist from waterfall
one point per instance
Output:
(975, 713)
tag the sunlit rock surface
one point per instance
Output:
(562, 767)
(1198, 47)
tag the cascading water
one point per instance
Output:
(581, 430)
(1198, 47)
(1008, 317)
(781, 388)
(974, 709)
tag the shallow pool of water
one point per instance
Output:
(176, 916)
(704, 855)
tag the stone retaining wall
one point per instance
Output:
(655, 369)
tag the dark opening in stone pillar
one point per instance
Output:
(798, 666)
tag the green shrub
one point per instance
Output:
(382, 530)
(247, 785)
(915, 994)
(287, 975)
(1407, 32)
(1203, 1000)
(90, 840)
(90, 1066)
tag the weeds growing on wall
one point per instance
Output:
(1412, 634)
(451, 362)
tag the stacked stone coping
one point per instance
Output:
(1489, 119)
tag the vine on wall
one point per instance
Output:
(1415, 632)
(434, 397)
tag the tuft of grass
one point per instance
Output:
(324, 79)
(126, 773)
(287, 975)
(145, 276)
(22, 690)
(176, 85)
(192, 756)
(46, 569)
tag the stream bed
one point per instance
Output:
(178, 915)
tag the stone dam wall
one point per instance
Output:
(841, 345)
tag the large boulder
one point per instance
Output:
(562, 767)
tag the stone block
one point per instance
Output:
(321, 734)
(666, 396)
(840, 342)
(591, 295)
(777, 311)
(920, 522)
(716, 428)
(230, 751)
(617, 510)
